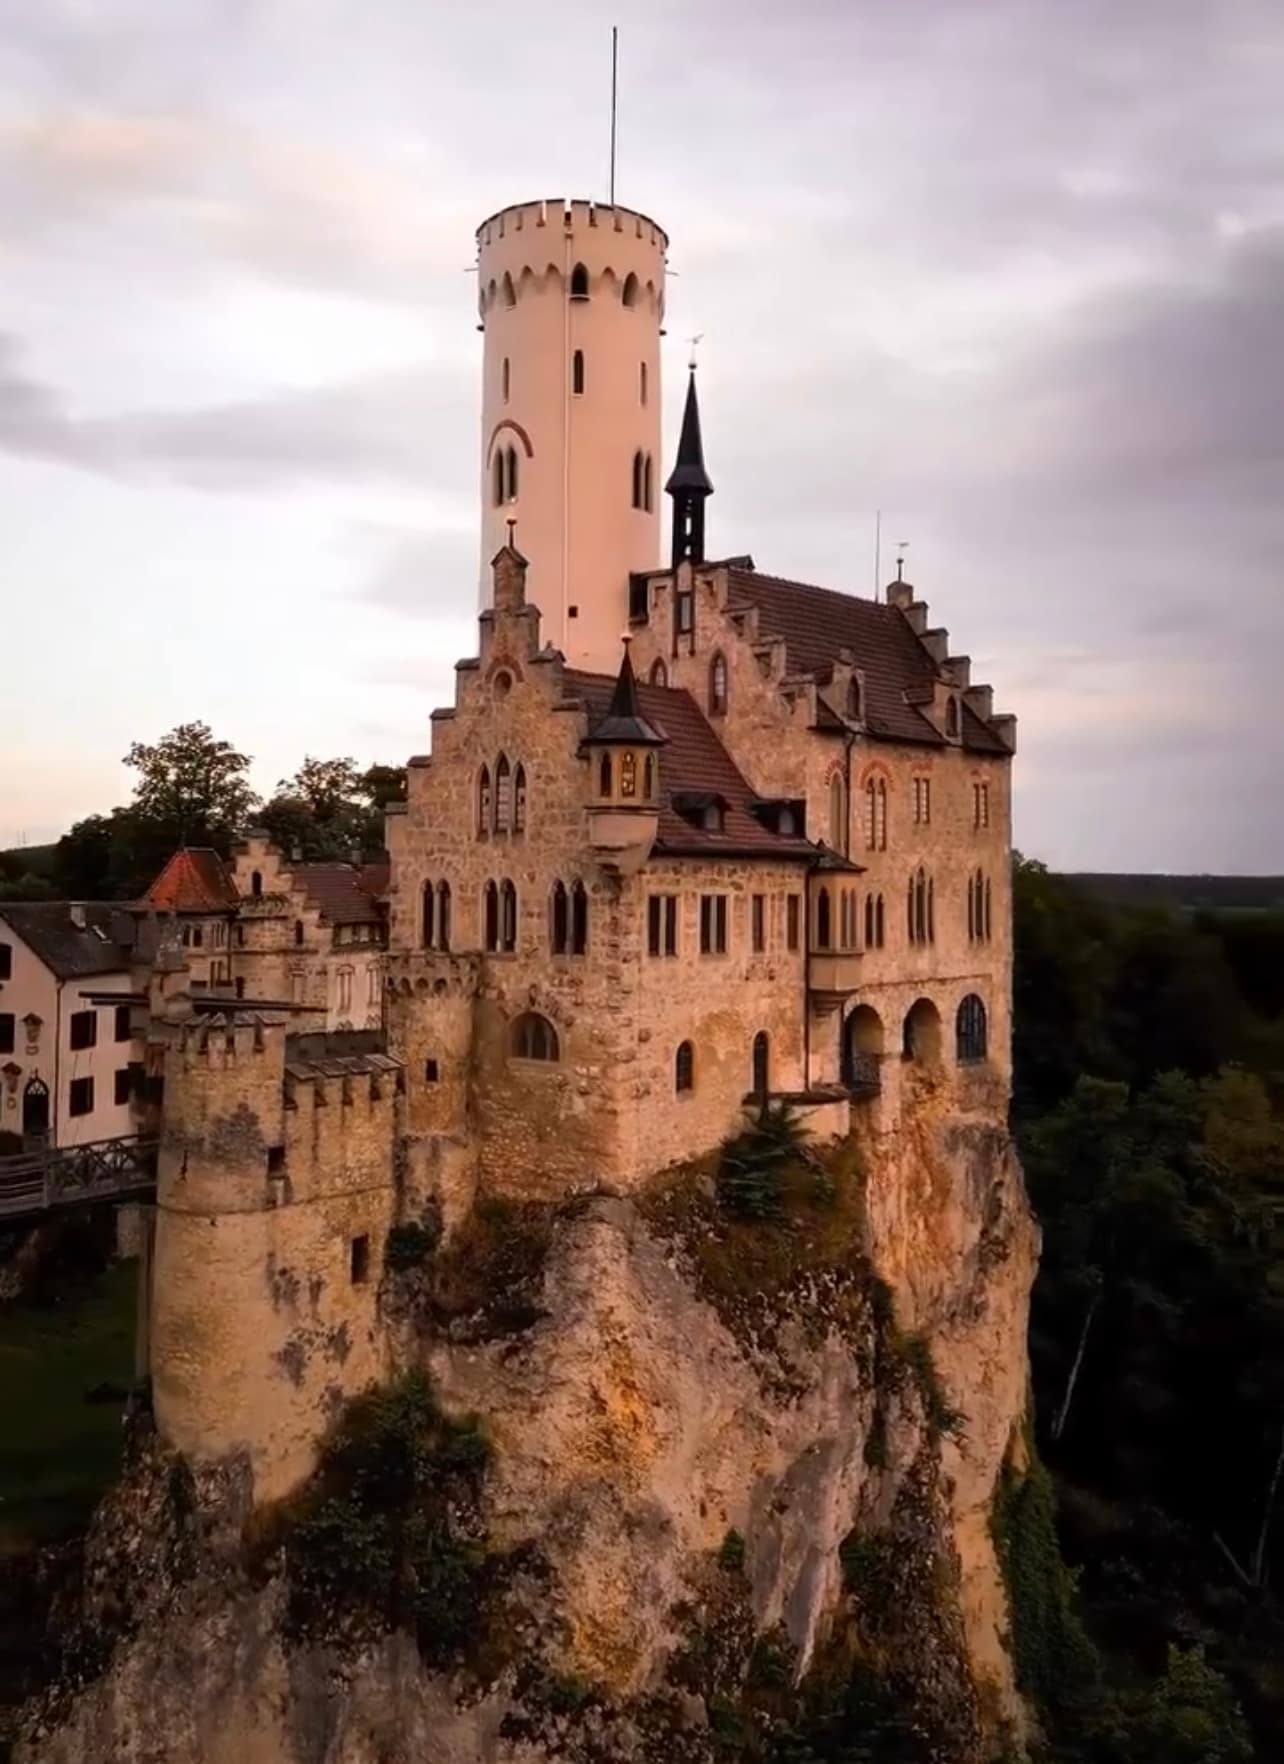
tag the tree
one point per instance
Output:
(326, 787)
(192, 789)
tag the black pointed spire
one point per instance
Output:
(689, 484)
(624, 723)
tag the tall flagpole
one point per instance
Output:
(615, 64)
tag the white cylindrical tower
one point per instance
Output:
(571, 298)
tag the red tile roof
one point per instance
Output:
(337, 891)
(693, 762)
(817, 622)
(195, 880)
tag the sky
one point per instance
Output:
(1010, 270)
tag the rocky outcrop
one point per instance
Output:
(710, 1454)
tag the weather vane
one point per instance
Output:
(902, 547)
(693, 342)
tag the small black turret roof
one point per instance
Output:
(624, 725)
(688, 471)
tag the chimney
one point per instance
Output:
(77, 912)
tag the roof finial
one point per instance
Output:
(511, 524)
(694, 342)
(901, 548)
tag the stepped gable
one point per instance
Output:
(816, 623)
(195, 880)
(338, 892)
(693, 765)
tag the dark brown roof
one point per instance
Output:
(817, 622)
(336, 891)
(195, 880)
(693, 763)
(69, 950)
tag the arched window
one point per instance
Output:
(510, 464)
(646, 484)
(519, 800)
(35, 1108)
(761, 1064)
(490, 916)
(855, 706)
(718, 685)
(497, 475)
(985, 917)
(443, 915)
(862, 1050)
(505, 380)
(579, 919)
(558, 919)
(869, 921)
(642, 382)
(628, 773)
(659, 674)
(427, 917)
(823, 926)
(483, 800)
(507, 917)
(577, 371)
(952, 717)
(876, 814)
(604, 775)
(838, 812)
(256, 884)
(510, 293)
(684, 1068)
(637, 479)
(629, 294)
(922, 908)
(503, 794)
(879, 929)
(970, 1030)
(921, 1032)
(648, 778)
(534, 1038)
(579, 283)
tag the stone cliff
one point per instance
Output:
(726, 1460)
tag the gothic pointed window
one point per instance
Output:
(507, 917)
(510, 293)
(629, 294)
(648, 778)
(684, 1068)
(428, 916)
(659, 674)
(510, 461)
(577, 372)
(838, 813)
(559, 919)
(647, 483)
(490, 916)
(637, 479)
(855, 701)
(579, 283)
(952, 718)
(503, 794)
(970, 1030)
(579, 919)
(869, 921)
(823, 926)
(628, 773)
(718, 685)
(519, 800)
(604, 775)
(483, 800)
(497, 470)
(443, 915)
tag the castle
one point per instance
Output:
(690, 836)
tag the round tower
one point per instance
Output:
(571, 297)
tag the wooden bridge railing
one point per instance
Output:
(38, 1182)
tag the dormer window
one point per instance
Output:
(855, 700)
(711, 818)
(718, 685)
(952, 718)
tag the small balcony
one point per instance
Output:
(832, 976)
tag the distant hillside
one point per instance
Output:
(33, 860)
(1191, 893)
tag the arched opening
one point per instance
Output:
(510, 460)
(628, 773)
(921, 1033)
(443, 915)
(509, 292)
(824, 926)
(862, 1050)
(579, 283)
(646, 484)
(629, 295)
(505, 380)
(490, 916)
(921, 908)
(970, 1031)
(35, 1109)
(659, 674)
(483, 800)
(256, 884)
(428, 916)
(879, 926)
(579, 919)
(519, 800)
(637, 479)
(507, 917)
(855, 700)
(718, 685)
(534, 1038)
(684, 1068)
(642, 383)
(558, 919)
(503, 794)
(952, 717)
(761, 1064)
(604, 775)
(648, 778)
(577, 371)
(497, 474)
(298, 934)
(838, 813)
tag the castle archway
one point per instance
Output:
(921, 1033)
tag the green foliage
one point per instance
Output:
(731, 1553)
(331, 810)
(1191, 1716)
(752, 1164)
(410, 1245)
(916, 1352)
(387, 1530)
(1056, 1662)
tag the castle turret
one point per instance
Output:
(571, 298)
(689, 484)
(624, 753)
